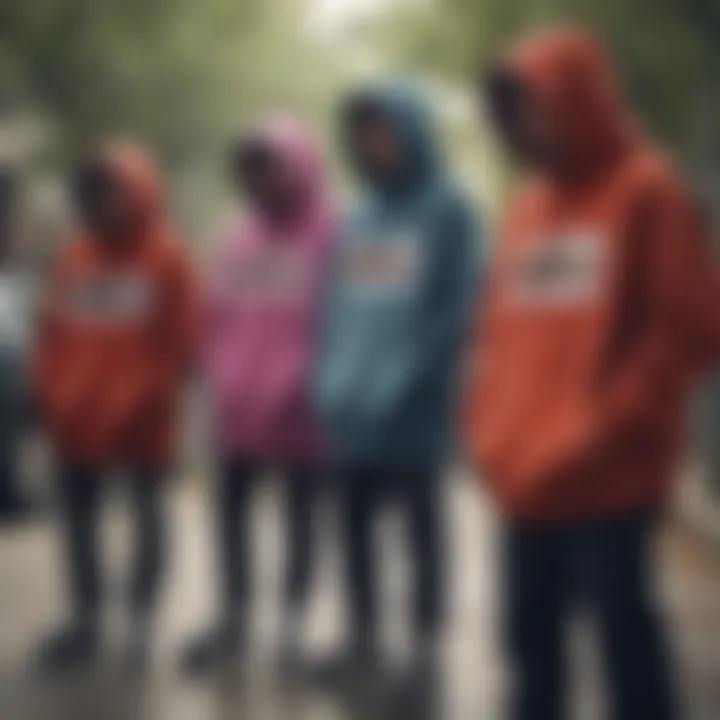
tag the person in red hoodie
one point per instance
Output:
(115, 338)
(602, 310)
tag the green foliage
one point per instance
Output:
(667, 51)
(179, 76)
(138, 67)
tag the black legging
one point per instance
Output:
(365, 491)
(80, 494)
(608, 566)
(236, 480)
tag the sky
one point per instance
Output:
(327, 15)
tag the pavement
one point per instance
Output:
(472, 675)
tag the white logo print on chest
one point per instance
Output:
(564, 270)
(390, 263)
(272, 275)
(110, 298)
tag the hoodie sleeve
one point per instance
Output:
(182, 313)
(46, 387)
(679, 297)
(177, 343)
(326, 319)
(213, 304)
(456, 274)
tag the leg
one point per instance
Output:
(302, 496)
(11, 501)
(233, 540)
(636, 656)
(79, 491)
(301, 493)
(222, 642)
(418, 691)
(147, 488)
(147, 495)
(360, 505)
(425, 516)
(354, 668)
(79, 496)
(536, 594)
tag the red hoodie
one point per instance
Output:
(117, 333)
(604, 303)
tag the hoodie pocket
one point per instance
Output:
(367, 379)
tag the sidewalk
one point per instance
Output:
(30, 601)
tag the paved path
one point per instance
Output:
(30, 602)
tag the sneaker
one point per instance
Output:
(72, 647)
(137, 653)
(354, 667)
(415, 689)
(213, 651)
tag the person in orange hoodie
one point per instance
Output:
(603, 308)
(116, 336)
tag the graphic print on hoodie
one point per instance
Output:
(117, 332)
(402, 285)
(603, 304)
(262, 314)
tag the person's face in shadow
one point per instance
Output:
(100, 203)
(519, 118)
(374, 143)
(260, 176)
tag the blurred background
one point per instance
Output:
(184, 77)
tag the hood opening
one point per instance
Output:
(569, 77)
(406, 110)
(128, 171)
(508, 104)
(280, 145)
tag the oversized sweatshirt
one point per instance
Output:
(117, 332)
(262, 311)
(397, 305)
(603, 306)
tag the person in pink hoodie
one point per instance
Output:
(262, 307)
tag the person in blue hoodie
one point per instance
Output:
(397, 308)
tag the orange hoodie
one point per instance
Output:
(117, 332)
(603, 305)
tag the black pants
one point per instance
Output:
(365, 491)
(237, 478)
(11, 433)
(608, 565)
(10, 496)
(80, 494)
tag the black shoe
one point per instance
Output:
(217, 650)
(136, 660)
(415, 689)
(14, 511)
(72, 648)
(354, 667)
(290, 653)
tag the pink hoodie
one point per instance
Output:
(262, 314)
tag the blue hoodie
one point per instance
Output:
(398, 305)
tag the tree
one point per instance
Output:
(666, 50)
(180, 76)
(141, 67)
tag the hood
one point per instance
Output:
(572, 79)
(409, 111)
(140, 181)
(300, 157)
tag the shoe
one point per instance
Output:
(137, 654)
(414, 690)
(14, 511)
(71, 648)
(215, 650)
(354, 667)
(290, 656)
